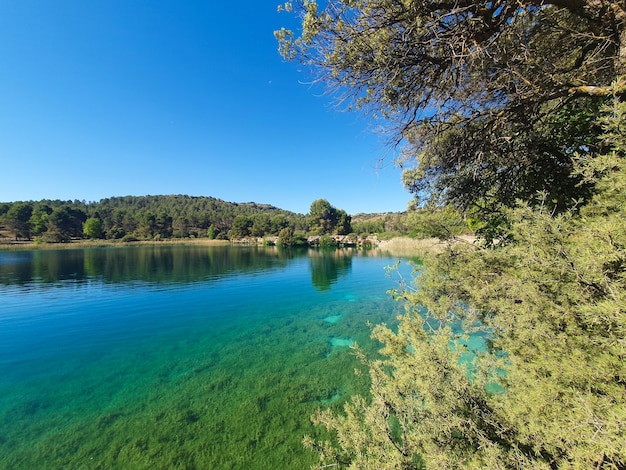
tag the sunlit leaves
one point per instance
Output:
(481, 96)
(549, 389)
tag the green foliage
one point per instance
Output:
(343, 225)
(326, 241)
(181, 227)
(165, 217)
(92, 228)
(549, 390)
(442, 223)
(431, 222)
(487, 101)
(321, 217)
(183, 216)
(241, 227)
(369, 227)
(285, 236)
(211, 232)
(381, 224)
(326, 219)
(18, 219)
(63, 223)
(299, 239)
(149, 217)
(497, 106)
(39, 218)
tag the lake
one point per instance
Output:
(180, 356)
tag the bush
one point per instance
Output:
(285, 236)
(326, 241)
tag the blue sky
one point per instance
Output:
(109, 98)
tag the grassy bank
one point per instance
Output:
(409, 247)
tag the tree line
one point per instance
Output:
(133, 218)
(138, 218)
(146, 218)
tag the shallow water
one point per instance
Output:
(179, 357)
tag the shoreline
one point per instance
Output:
(32, 245)
(398, 246)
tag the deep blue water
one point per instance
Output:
(180, 356)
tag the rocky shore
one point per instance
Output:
(316, 240)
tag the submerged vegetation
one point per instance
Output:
(168, 356)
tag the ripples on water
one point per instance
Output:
(179, 357)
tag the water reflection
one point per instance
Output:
(328, 265)
(152, 264)
(106, 353)
(165, 264)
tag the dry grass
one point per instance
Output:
(399, 246)
(411, 247)
(11, 245)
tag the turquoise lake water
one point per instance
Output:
(180, 356)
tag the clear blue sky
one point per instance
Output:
(109, 98)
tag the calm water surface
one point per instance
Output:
(179, 357)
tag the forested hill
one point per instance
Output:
(130, 218)
(142, 217)
(189, 215)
